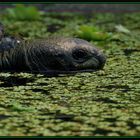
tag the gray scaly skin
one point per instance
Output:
(52, 55)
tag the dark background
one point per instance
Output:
(88, 8)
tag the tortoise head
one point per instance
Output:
(64, 55)
(83, 55)
(74, 54)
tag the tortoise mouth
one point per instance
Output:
(93, 65)
(96, 62)
(102, 60)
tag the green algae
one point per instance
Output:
(92, 33)
(23, 12)
(102, 103)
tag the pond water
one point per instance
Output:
(102, 103)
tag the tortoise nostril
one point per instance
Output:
(102, 60)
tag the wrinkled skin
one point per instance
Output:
(52, 55)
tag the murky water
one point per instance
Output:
(102, 103)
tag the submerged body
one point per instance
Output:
(52, 55)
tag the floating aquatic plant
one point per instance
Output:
(23, 12)
(92, 33)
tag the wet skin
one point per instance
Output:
(51, 55)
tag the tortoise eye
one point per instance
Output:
(79, 54)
